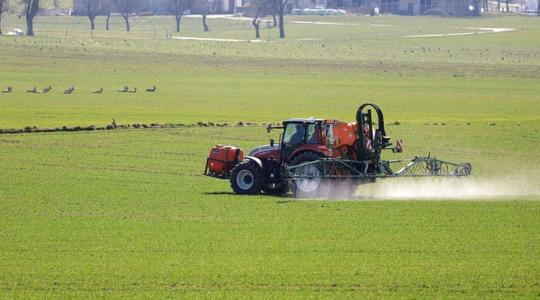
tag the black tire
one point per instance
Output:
(246, 178)
(317, 189)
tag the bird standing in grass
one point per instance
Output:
(47, 89)
(8, 89)
(134, 90)
(70, 90)
(125, 89)
(98, 91)
(32, 90)
(152, 89)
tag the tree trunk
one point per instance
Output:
(507, 8)
(126, 19)
(92, 25)
(255, 23)
(29, 25)
(281, 24)
(205, 26)
(107, 22)
(275, 21)
(30, 10)
(498, 5)
(178, 20)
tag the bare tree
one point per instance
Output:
(272, 8)
(31, 8)
(92, 8)
(507, 8)
(126, 8)
(3, 8)
(256, 22)
(264, 8)
(204, 8)
(177, 7)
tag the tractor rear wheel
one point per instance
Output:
(246, 178)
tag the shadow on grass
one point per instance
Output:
(286, 196)
(220, 193)
(284, 201)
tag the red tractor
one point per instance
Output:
(312, 151)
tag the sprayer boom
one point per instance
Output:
(341, 168)
(311, 149)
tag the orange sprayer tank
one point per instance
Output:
(341, 138)
(344, 134)
(223, 158)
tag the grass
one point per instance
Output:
(241, 79)
(112, 214)
(128, 214)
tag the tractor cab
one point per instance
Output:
(300, 135)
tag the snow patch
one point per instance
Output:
(337, 23)
(192, 38)
(479, 30)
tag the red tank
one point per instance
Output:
(222, 159)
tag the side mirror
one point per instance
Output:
(272, 142)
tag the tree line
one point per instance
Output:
(126, 8)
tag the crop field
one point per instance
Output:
(128, 213)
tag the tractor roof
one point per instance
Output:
(302, 120)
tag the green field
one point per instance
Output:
(127, 213)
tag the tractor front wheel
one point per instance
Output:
(246, 178)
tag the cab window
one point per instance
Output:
(313, 133)
(294, 134)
